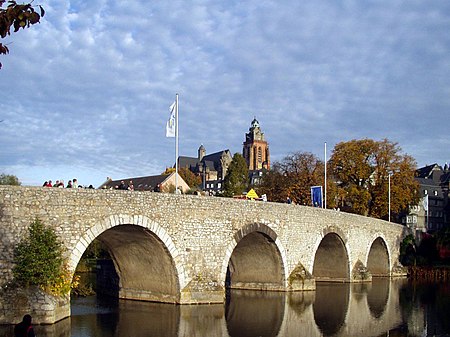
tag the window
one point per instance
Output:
(435, 193)
(425, 192)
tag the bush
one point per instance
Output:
(39, 261)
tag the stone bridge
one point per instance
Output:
(187, 249)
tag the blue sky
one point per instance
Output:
(86, 92)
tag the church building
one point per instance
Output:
(256, 149)
(212, 168)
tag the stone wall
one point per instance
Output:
(185, 243)
(44, 308)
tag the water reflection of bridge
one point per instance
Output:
(370, 309)
(333, 310)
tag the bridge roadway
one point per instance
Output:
(186, 249)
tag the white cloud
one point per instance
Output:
(88, 89)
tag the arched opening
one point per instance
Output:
(331, 260)
(140, 267)
(255, 264)
(378, 259)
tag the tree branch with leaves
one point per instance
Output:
(16, 16)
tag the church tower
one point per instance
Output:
(255, 148)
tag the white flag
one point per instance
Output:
(425, 202)
(171, 123)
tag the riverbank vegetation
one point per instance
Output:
(428, 259)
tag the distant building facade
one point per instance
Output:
(211, 168)
(433, 212)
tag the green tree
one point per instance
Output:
(17, 16)
(362, 169)
(38, 260)
(9, 179)
(236, 180)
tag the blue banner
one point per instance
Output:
(316, 196)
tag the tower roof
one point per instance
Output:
(254, 125)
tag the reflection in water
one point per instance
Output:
(378, 296)
(60, 329)
(331, 306)
(385, 307)
(254, 313)
(300, 301)
(426, 303)
(110, 317)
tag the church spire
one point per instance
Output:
(255, 148)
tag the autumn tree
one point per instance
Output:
(193, 180)
(273, 184)
(188, 176)
(293, 177)
(362, 170)
(9, 179)
(16, 16)
(236, 180)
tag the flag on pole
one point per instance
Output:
(316, 196)
(171, 123)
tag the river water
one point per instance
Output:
(381, 308)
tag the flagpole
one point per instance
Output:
(389, 196)
(325, 199)
(176, 144)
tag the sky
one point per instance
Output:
(86, 93)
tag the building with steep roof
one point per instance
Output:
(433, 212)
(211, 168)
(157, 183)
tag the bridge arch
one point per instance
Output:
(144, 256)
(378, 258)
(331, 261)
(255, 259)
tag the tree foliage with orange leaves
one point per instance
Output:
(190, 178)
(16, 16)
(361, 169)
(293, 177)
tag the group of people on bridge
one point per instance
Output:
(60, 183)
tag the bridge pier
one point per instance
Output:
(44, 308)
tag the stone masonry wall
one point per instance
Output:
(199, 232)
